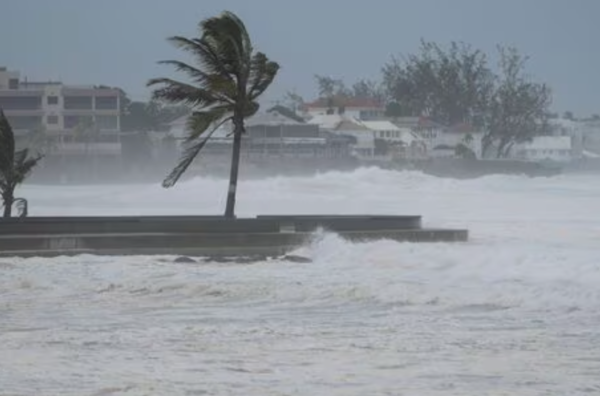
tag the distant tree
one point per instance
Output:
(595, 117)
(15, 165)
(369, 90)
(153, 115)
(568, 115)
(334, 91)
(337, 94)
(518, 109)
(451, 85)
(331, 87)
(293, 101)
(456, 85)
(225, 85)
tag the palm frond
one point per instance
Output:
(7, 143)
(221, 87)
(24, 164)
(198, 124)
(178, 92)
(198, 76)
(262, 74)
(229, 35)
(201, 121)
(203, 52)
(225, 81)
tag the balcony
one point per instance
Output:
(26, 92)
(89, 90)
(23, 113)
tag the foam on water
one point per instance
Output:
(513, 311)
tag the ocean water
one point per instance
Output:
(514, 311)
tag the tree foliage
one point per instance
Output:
(449, 86)
(225, 81)
(457, 85)
(361, 89)
(139, 116)
(337, 93)
(15, 165)
(518, 110)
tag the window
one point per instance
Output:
(52, 100)
(52, 119)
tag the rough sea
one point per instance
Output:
(514, 311)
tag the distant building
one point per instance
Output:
(575, 130)
(398, 141)
(441, 140)
(591, 138)
(374, 139)
(345, 125)
(545, 148)
(60, 110)
(272, 134)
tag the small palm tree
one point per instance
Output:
(225, 86)
(15, 165)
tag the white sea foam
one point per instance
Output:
(513, 311)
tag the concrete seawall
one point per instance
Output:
(201, 235)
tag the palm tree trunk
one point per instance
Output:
(233, 175)
(8, 200)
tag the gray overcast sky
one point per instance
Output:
(117, 42)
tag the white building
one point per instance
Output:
(59, 109)
(402, 141)
(374, 138)
(545, 148)
(591, 137)
(343, 124)
(56, 106)
(441, 141)
(575, 130)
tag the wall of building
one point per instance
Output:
(436, 138)
(7, 78)
(56, 107)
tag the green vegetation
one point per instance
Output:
(226, 82)
(15, 165)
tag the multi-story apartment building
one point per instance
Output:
(59, 109)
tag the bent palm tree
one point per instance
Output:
(15, 165)
(226, 83)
